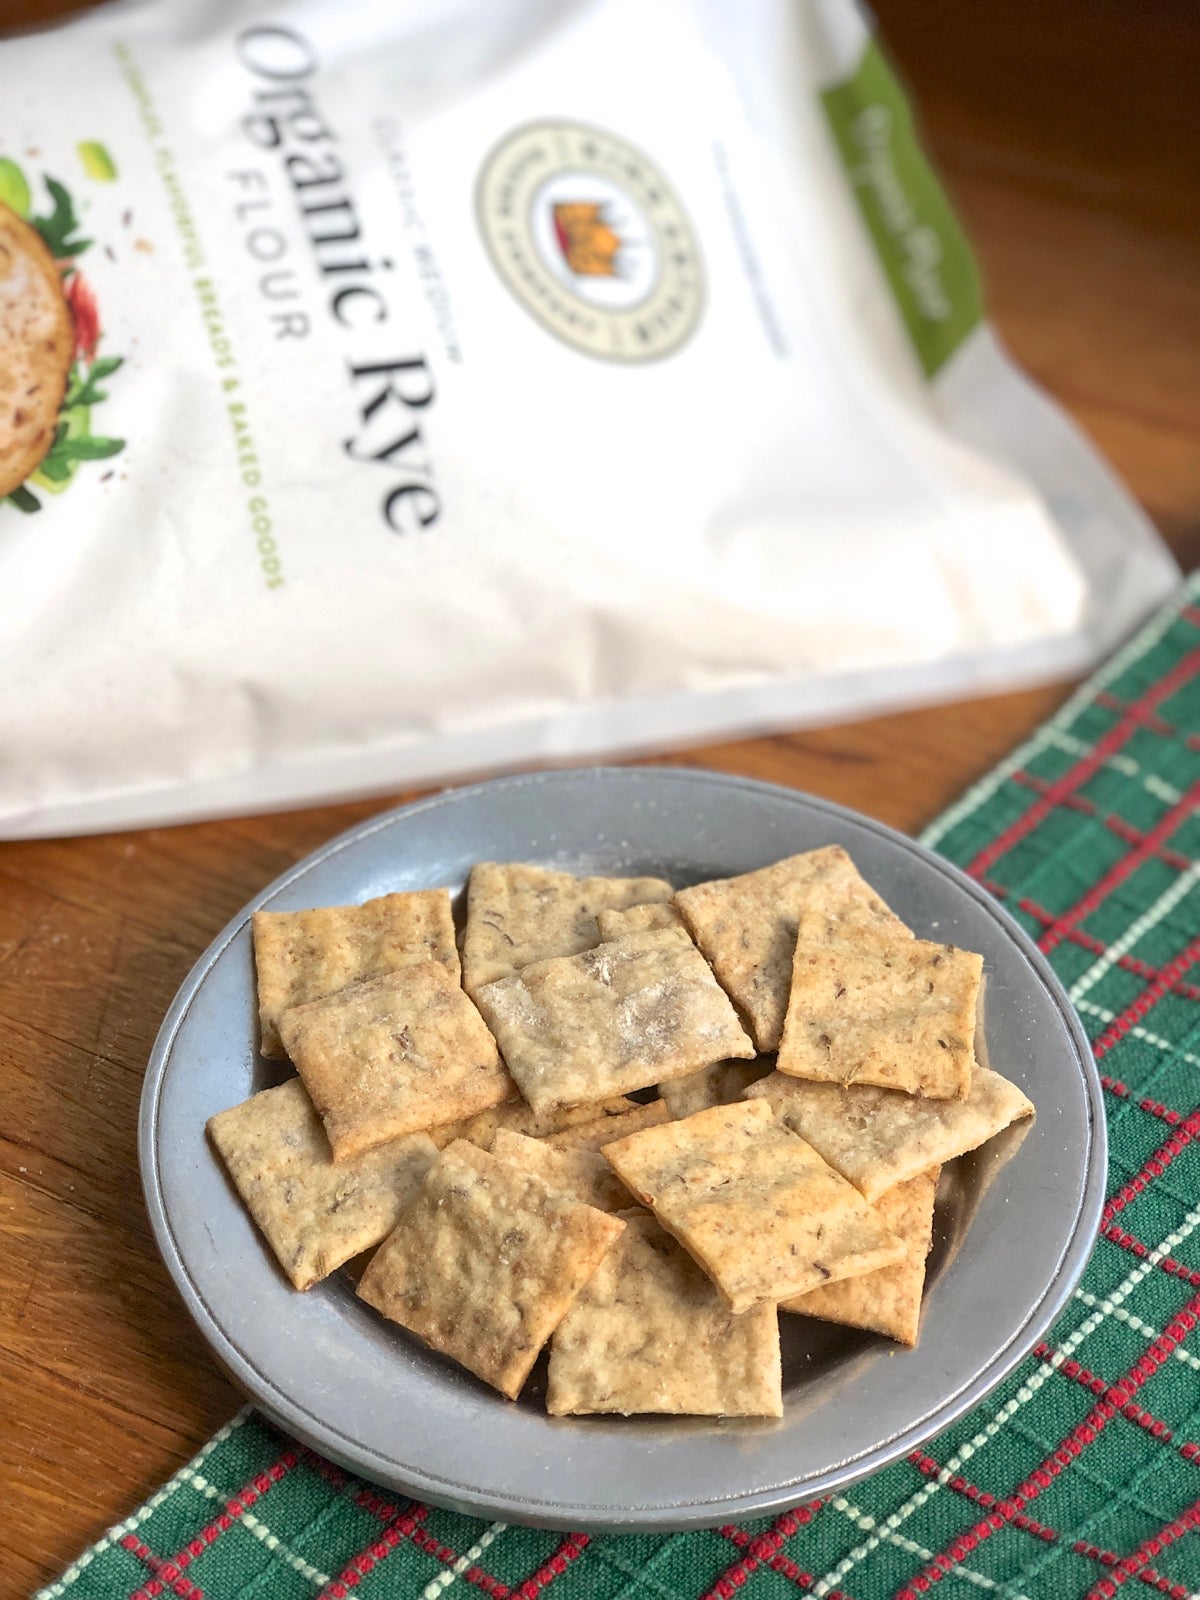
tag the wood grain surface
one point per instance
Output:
(1070, 137)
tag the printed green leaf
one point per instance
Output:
(24, 501)
(59, 228)
(84, 391)
(85, 450)
(55, 468)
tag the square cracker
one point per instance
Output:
(394, 1055)
(719, 1085)
(602, 1130)
(877, 1137)
(887, 1301)
(518, 1116)
(620, 1017)
(650, 1333)
(305, 955)
(640, 919)
(900, 1015)
(314, 1214)
(746, 926)
(519, 914)
(755, 1205)
(583, 1174)
(485, 1262)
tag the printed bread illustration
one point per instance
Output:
(37, 335)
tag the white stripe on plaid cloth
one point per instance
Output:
(1137, 929)
(868, 1524)
(1151, 1335)
(438, 1586)
(1105, 1308)
(259, 1529)
(1168, 1046)
(1125, 765)
(143, 1513)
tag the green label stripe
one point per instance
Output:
(921, 246)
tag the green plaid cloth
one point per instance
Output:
(1080, 1474)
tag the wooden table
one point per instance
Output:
(1070, 137)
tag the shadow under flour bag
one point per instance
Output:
(390, 392)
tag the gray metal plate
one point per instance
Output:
(334, 1373)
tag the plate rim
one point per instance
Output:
(539, 1511)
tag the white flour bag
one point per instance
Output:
(394, 391)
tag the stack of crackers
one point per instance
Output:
(463, 1109)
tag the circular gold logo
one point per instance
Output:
(592, 240)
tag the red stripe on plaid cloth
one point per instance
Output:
(1088, 941)
(1125, 868)
(780, 1563)
(424, 1540)
(1109, 1558)
(971, 1491)
(484, 1580)
(166, 1572)
(1139, 1009)
(764, 1550)
(1148, 1575)
(1156, 724)
(569, 1550)
(1154, 1168)
(1136, 1247)
(1101, 1386)
(1119, 734)
(1131, 1566)
(331, 1473)
(246, 1496)
(1154, 1107)
(1073, 1446)
(370, 1556)
(381, 1508)
(1125, 831)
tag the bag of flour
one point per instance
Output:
(390, 392)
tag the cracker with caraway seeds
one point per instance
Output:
(582, 1173)
(746, 926)
(898, 1014)
(650, 1333)
(719, 1085)
(519, 914)
(596, 1133)
(305, 955)
(485, 1262)
(395, 1055)
(754, 1204)
(315, 1213)
(887, 1301)
(879, 1137)
(640, 919)
(518, 1116)
(623, 1016)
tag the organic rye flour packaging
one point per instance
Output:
(394, 391)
